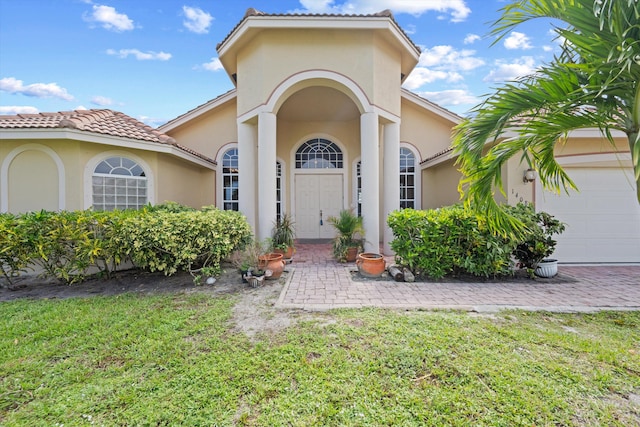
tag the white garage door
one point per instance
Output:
(603, 219)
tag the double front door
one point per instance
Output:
(318, 197)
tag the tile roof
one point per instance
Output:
(101, 121)
(254, 12)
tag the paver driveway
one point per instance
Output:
(318, 282)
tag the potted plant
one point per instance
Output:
(538, 243)
(247, 261)
(283, 236)
(349, 235)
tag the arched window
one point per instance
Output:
(230, 180)
(319, 153)
(118, 183)
(407, 178)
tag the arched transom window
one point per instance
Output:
(319, 153)
(118, 183)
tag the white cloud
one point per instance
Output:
(109, 19)
(102, 101)
(509, 71)
(139, 55)
(451, 97)
(16, 109)
(421, 76)
(457, 9)
(38, 90)
(151, 121)
(471, 38)
(197, 20)
(81, 107)
(213, 65)
(446, 57)
(517, 40)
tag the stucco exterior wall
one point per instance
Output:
(276, 55)
(210, 131)
(440, 185)
(33, 181)
(429, 133)
(181, 182)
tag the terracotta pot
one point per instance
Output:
(273, 262)
(352, 253)
(370, 264)
(287, 254)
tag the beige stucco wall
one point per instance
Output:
(429, 133)
(270, 59)
(179, 181)
(208, 132)
(33, 176)
(440, 185)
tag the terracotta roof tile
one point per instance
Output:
(105, 122)
(254, 12)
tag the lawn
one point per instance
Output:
(178, 359)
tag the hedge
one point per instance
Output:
(69, 246)
(449, 241)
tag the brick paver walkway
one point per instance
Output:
(317, 282)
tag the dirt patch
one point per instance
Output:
(253, 314)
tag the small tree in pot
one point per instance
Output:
(283, 236)
(350, 236)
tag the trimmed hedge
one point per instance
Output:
(449, 241)
(168, 238)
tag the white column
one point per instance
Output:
(247, 139)
(391, 180)
(266, 174)
(369, 147)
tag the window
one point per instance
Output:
(230, 180)
(359, 187)
(118, 183)
(318, 153)
(278, 191)
(407, 179)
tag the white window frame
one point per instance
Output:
(417, 178)
(220, 175)
(91, 165)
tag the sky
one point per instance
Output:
(155, 60)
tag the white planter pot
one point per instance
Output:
(547, 268)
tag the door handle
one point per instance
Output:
(321, 217)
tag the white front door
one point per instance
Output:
(318, 197)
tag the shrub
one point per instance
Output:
(15, 253)
(170, 241)
(449, 240)
(537, 242)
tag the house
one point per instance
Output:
(318, 121)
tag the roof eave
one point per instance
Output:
(97, 138)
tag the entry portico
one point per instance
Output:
(346, 100)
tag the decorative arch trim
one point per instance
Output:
(4, 173)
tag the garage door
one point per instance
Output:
(603, 219)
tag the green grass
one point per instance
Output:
(177, 360)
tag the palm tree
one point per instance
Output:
(592, 83)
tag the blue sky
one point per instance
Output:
(155, 60)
